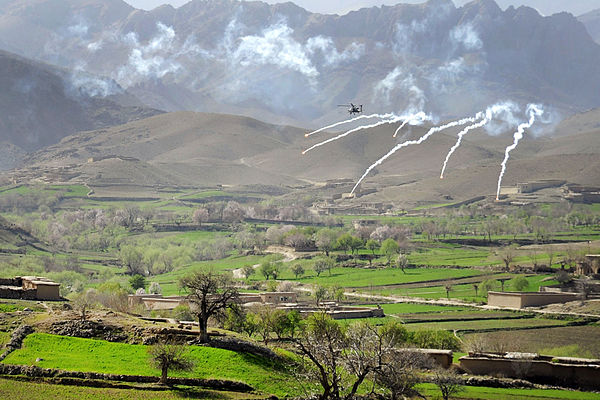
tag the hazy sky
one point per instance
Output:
(545, 7)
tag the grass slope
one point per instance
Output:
(88, 355)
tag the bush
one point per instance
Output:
(435, 340)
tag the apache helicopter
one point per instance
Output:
(352, 108)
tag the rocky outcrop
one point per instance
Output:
(88, 329)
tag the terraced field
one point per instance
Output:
(487, 324)
(76, 354)
(549, 340)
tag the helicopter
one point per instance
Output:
(352, 108)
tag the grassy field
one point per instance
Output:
(20, 390)
(363, 277)
(499, 324)
(88, 355)
(466, 291)
(484, 393)
(414, 308)
(4, 338)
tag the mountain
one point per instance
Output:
(281, 63)
(40, 104)
(190, 149)
(591, 20)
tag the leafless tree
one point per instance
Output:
(507, 254)
(448, 382)
(172, 357)
(209, 292)
(341, 359)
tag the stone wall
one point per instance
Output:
(11, 282)
(18, 293)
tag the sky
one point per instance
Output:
(545, 7)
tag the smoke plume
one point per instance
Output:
(487, 117)
(534, 111)
(411, 142)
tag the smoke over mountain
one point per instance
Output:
(280, 61)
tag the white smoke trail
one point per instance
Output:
(534, 111)
(490, 112)
(410, 142)
(391, 120)
(413, 119)
(420, 116)
(381, 116)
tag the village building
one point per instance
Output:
(519, 300)
(589, 266)
(29, 288)
(287, 301)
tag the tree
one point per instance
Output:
(448, 382)
(84, 301)
(200, 215)
(507, 256)
(551, 254)
(399, 372)
(448, 289)
(563, 277)
(344, 242)
(520, 283)
(132, 259)
(475, 287)
(323, 264)
(402, 262)
(390, 248)
(488, 285)
(137, 281)
(356, 244)
(322, 344)
(320, 293)
(372, 245)
(341, 358)
(155, 288)
(210, 293)
(247, 271)
(298, 270)
(170, 357)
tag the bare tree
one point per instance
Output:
(341, 359)
(84, 301)
(399, 372)
(210, 293)
(448, 289)
(507, 256)
(172, 357)
(448, 382)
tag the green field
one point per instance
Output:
(23, 390)
(363, 277)
(496, 324)
(415, 308)
(4, 338)
(88, 355)
(485, 393)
